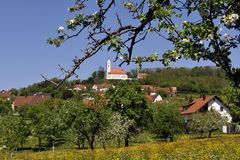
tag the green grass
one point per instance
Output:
(143, 145)
(185, 147)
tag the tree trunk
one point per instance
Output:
(91, 143)
(209, 134)
(39, 143)
(21, 146)
(119, 142)
(53, 146)
(83, 144)
(103, 144)
(126, 141)
(11, 155)
(78, 144)
(201, 134)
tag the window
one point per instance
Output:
(221, 108)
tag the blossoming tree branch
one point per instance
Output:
(213, 33)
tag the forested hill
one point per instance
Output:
(209, 80)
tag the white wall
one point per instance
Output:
(216, 105)
(117, 76)
(158, 99)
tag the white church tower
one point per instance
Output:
(115, 73)
(108, 68)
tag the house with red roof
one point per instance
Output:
(29, 100)
(206, 104)
(101, 87)
(171, 91)
(154, 98)
(115, 73)
(79, 87)
(5, 94)
(141, 75)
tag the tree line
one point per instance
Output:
(208, 80)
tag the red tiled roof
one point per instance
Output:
(196, 105)
(4, 93)
(173, 89)
(151, 97)
(155, 89)
(117, 71)
(29, 100)
(165, 89)
(147, 87)
(141, 75)
(103, 85)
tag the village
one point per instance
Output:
(101, 95)
(151, 94)
(120, 80)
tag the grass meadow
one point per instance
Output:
(220, 147)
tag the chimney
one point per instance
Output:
(204, 96)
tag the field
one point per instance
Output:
(220, 147)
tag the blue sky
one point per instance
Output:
(24, 53)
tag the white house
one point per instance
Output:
(101, 87)
(115, 73)
(206, 104)
(80, 87)
(154, 98)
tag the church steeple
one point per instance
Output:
(108, 68)
(108, 65)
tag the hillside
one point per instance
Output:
(208, 80)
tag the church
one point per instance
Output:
(115, 73)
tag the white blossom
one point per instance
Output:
(201, 42)
(121, 58)
(71, 21)
(210, 36)
(185, 40)
(128, 5)
(234, 16)
(98, 2)
(230, 19)
(177, 57)
(226, 35)
(95, 13)
(60, 29)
